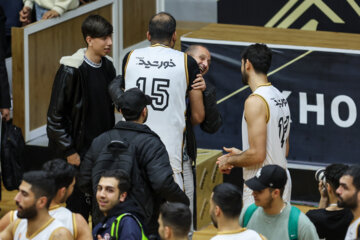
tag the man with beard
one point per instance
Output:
(64, 177)
(330, 220)
(133, 147)
(265, 123)
(349, 197)
(174, 221)
(225, 208)
(270, 215)
(33, 199)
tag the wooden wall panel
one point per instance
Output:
(46, 47)
(17, 49)
(136, 15)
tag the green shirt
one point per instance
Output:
(275, 227)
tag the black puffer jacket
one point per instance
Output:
(153, 176)
(67, 109)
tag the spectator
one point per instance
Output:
(331, 221)
(121, 221)
(45, 9)
(80, 107)
(349, 197)
(5, 103)
(33, 200)
(270, 215)
(174, 221)
(152, 176)
(225, 208)
(11, 10)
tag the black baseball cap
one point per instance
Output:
(132, 102)
(269, 176)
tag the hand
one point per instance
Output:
(5, 113)
(222, 161)
(50, 14)
(74, 159)
(99, 237)
(25, 15)
(199, 83)
(322, 190)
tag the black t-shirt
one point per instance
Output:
(331, 225)
(99, 109)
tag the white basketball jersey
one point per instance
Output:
(352, 232)
(64, 215)
(44, 232)
(278, 128)
(161, 73)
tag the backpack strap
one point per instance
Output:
(115, 227)
(249, 212)
(293, 223)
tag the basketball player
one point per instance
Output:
(166, 75)
(265, 124)
(33, 199)
(64, 176)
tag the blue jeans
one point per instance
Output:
(39, 11)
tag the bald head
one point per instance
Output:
(202, 56)
(162, 26)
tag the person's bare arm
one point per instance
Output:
(197, 107)
(256, 116)
(83, 229)
(287, 147)
(7, 233)
(61, 234)
(5, 221)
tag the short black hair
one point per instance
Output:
(260, 57)
(42, 184)
(229, 198)
(333, 173)
(62, 172)
(354, 172)
(120, 175)
(162, 26)
(96, 26)
(177, 216)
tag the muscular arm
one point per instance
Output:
(5, 221)
(61, 234)
(255, 115)
(195, 95)
(197, 107)
(83, 229)
(7, 234)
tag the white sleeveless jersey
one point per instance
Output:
(353, 230)
(278, 128)
(161, 73)
(64, 215)
(44, 233)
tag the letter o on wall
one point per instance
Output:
(335, 111)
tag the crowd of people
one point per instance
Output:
(135, 176)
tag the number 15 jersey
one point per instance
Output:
(163, 74)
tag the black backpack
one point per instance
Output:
(12, 157)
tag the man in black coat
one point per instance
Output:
(144, 156)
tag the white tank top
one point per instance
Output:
(64, 215)
(161, 73)
(278, 128)
(44, 233)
